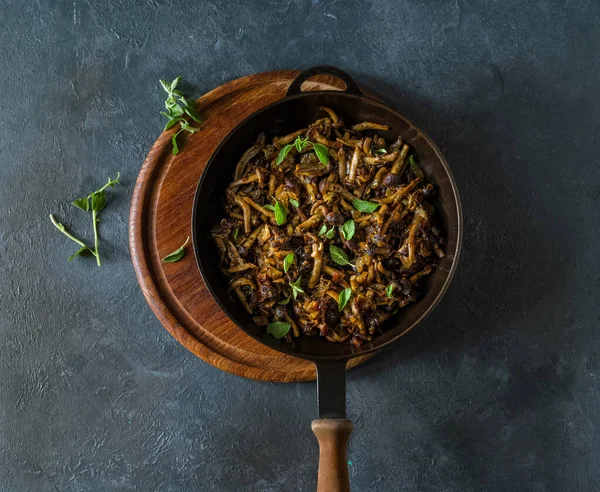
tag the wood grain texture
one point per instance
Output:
(333, 462)
(160, 220)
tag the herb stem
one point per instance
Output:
(111, 182)
(95, 220)
(62, 229)
(108, 184)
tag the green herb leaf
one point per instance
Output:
(348, 230)
(174, 142)
(330, 233)
(323, 230)
(176, 111)
(280, 214)
(285, 301)
(170, 123)
(283, 153)
(279, 329)
(177, 254)
(338, 255)
(235, 233)
(322, 153)
(389, 289)
(175, 83)
(415, 168)
(380, 151)
(343, 298)
(287, 262)
(83, 249)
(82, 203)
(301, 143)
(296, 287)
(98, 201)
(365, 206)
(165, 85)
(192, 113)
(294, 202)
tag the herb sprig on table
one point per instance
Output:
(178, 107)
(96, 202)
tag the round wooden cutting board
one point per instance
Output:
(160, 221)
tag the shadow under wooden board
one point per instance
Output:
(160, 221)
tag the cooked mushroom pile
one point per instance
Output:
(328, 231)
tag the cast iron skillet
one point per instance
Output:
(295, 111)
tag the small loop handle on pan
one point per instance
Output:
(351, 86)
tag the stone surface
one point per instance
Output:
(498, 390)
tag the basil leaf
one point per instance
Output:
(296, 287)
(165, 85)
(82, 203)
(414, 167)
(389, 289)
(174, 142)
(269, 207)
(80, 251)
(177, 254)
(348, 229)
(294, 202)
(186, 103)
(365, 206)
(343, 298)
(279, 329)
(330, 233)
(323, 230)
(283, 153)
(192, 113)
(175, 83)
(235, 233)
(170, 123)
(176, 111)
(98, 201)
(280, 214)
(285, 301)
(380, 151)
(301, 143)
(287, 262)
(322, 153)
(338, 255)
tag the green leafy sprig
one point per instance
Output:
(177, 108)
(96, 202)
(300, 144)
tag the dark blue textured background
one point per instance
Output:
(497, 391)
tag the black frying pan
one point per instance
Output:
(295, 111)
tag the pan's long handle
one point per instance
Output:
(332, 428)
(333, 437)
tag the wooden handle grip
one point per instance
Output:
(332, 435)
